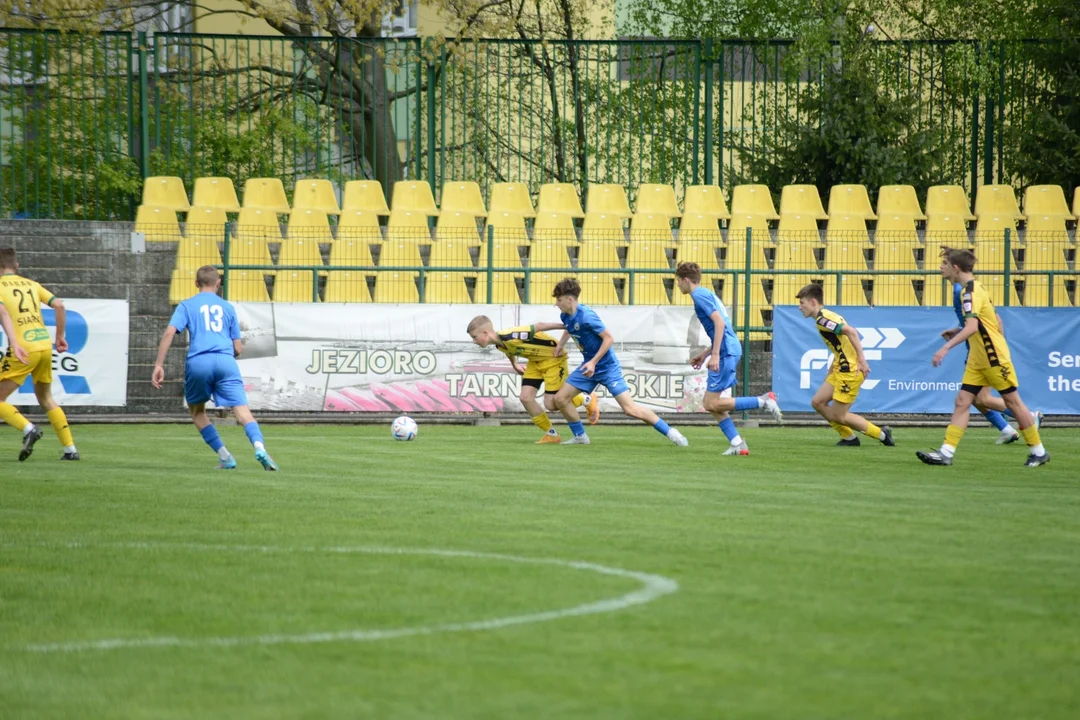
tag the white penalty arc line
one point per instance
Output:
(652, 587)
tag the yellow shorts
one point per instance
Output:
(40, 367)
(552, 373)
(845, 385)
(1000, 377)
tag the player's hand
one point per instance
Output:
(558, 351)
(939, 356)
(61, 344)
(714, 363)
(21, 354)
(158, 377)
(697, 360)
(588, 369)
(518, 369)
(863, 367)
(948, 334)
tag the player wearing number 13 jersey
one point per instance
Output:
(211, 370)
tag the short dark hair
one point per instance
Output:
(206, 276)
(812, 291)
(689, 270)
(7, 258)
(478, 322)
(963, 259)
(567, 286)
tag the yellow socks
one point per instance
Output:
(543, 422)
(579, 400)
(873, 430)
(60, 425)
(844, 431)
(1030, 433)
(11, 415)
(952, 439)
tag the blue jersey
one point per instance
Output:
(705, 304)
(211, 324)
(958, 307)
(585, 327)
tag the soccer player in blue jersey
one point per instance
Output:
(721, 359)
(211, 369)
(601, 366)
(992, 408)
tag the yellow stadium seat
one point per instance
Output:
(794, 255)
(195, 251)
(948, 200)
(846, 255)
(446, 287)
(785, 287)
(310, 225)
(541, 284)
(206, 222)
(1046, 243)
(408, 225)
(555, 228)
(598, 253)
(850, 200)
(998, 200)
(253, 230)
(314, 194)
(347, 286)
(182, 285)
(512, 198)
(648, 289)
(165, 192)
(995, 285)
(459, 226)
(266, 194)
(560, 198)
(246, 286)
(736, 242)
(598, 289)
(400, 253)
(463, 196)
(543, 254)
(946, 231)
(256, 222)
(899, 200)
(299, 251)
(504, 254)
(503, 289)
(158, 224)
(851, 291)
(1076, 203)
(351, 251)
(1037, 291)
(358, 226)
(294, 286)
(706, 200)
(647, 254)
(413, 196)
(365, 195)
(609, 199)
(798, 228)
(990, 243)
(802, 200)
(701, 228)
(847, 228)
(894, 290)
(753, 200)
(393, 286)
(701, 252)
(449, 254)
(654, 228)
(896, 229)
(506, 228)
(215, 192)
(890, 255)
(657, 200)
(603, 226)
(1046, 200)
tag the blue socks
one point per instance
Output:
(747, 403)
(728, 426)
(577, 428)
(253, 432)
(1007, 412)
(996, 419)
(662, 427)
(211, 437)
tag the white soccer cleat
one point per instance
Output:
(740, 449)
(577, 440)
(1008, 435)
(677, 437)
(770, 406)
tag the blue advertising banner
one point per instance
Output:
(899, 344)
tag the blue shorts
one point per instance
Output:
(214, 375)
(723, 378)
(610, 377)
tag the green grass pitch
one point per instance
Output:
(813, 581)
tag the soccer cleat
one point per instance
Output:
(852, 441)
(28, 441)
(886, 437)
(740, 449)
(228, 464)
(1038, 417)
(1008, 435)
(770, 406)
(677, 437)
(70, 456)
(1037, 460)
(593, 408)
(265, 460)
(933, 457)
(549, 440)
(577, 440)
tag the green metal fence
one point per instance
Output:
(83, 119)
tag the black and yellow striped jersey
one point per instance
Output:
(987, 347)
(524, 342)
(829, 325)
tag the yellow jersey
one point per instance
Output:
(829, 325)
(987, 347)
(23, 299)
(524, 342)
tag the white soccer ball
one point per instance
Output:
(404, 428)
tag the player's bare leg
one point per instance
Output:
(251, 429)
(824, 394)
(564, 400)
(57, 418)
(1028, 428)
(837, 412)
(10, 414)
(210, 436)
(957, 424)
(995, 411)
(632, 409)
(539, 415)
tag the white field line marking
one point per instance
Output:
(652, 587)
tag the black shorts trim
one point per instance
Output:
(1006, 391)
(532, 382)
(973, 389)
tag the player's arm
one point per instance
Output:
(9, 330)
(971, 326)
(545, 326)
(860, 358)
(606, 341)
(163, 349)
(561, 345)
(61, 323)
(718, 338)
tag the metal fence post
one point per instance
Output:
(431, 125)
(708, 60)
(144, 110)
(1008, 265)
(490, 260)
(225, 264)
(746, 313)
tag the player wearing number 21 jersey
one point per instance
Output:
(211, 370)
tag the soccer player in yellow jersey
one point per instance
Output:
(544, 366)
(23, 299)
(834, 398)
(988, 364)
